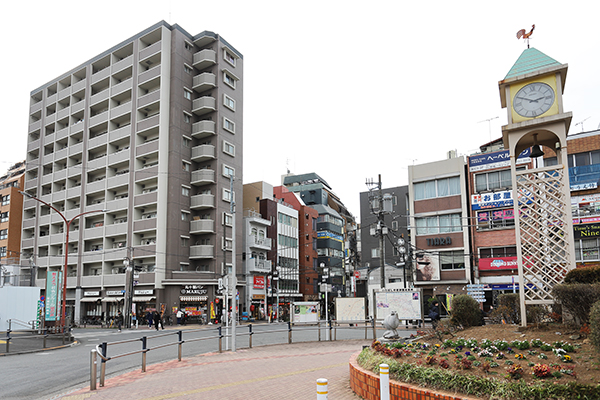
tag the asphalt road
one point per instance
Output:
(44, 375)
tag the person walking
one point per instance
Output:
(156, 319)
(434, 314)
(119, 320)
(149, 319)
(179, 315)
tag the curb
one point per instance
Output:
(62, 346)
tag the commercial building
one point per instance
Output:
(439, 218)
(150, 131)
(11, 214)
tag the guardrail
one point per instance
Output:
(27, 334)
(101, 349)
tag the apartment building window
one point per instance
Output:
(186, 142)
(228, 171)
(6, 200)
(185, 216)
(375, 253)
(452, 260)
(4, 216)
(493, 180)
(187, 69)
(498, 252)
(185, 191)
(587, 249)
(226, 195)
(185, 165)
(229, 102)
(446, 223)
(3, 234)
(188, 46)
(228, 148)
(437, 188)
(581, 159)
(3, 251)
(185, 241)
(229, 79)
(228, 125)
(187, 94)
(287, 220)
(495, 219)
(228, 219)
(395, 225)
(187, 118)
(229, 57)
(287, 241)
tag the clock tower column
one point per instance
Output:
(532, 93)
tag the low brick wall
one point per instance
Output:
(366, 384)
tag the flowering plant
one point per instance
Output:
(541, 370)
(515, 371)
(519, 356)
(485, 353)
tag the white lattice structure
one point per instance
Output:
(544, 232)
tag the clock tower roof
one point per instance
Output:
(531, 60)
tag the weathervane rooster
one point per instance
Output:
(522, 34)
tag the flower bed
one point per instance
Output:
(515, 368)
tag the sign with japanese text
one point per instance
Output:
(52, 295)
(259, 282)
(498, 159)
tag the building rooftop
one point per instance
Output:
(529, 61)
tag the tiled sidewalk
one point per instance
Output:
(267, 372)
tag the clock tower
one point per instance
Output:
(532, 93)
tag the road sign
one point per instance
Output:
(357, 274)
(325, 287)
(135, 283)
(476, 292)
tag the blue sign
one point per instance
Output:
(498, 159)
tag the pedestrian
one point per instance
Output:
(149, 319)
(179, 316)
(434, 314)
(162, 322)
(119, 320)
(156, 319)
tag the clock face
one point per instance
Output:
(533, 100)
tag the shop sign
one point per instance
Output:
(258, 297)
(329, 235)
(53, 292)
(114, 292)
(143, 291)
(194, 290)
(439, 241)
(583, 231)
(492, 264)
(498, 159)
(259, 282)
(91, 294)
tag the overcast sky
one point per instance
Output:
(346, 89)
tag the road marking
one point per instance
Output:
(226, 385)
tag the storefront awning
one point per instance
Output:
(143, 299)
(193, 298)
(89, 299)
(112, 299)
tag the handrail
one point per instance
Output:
(101, 350)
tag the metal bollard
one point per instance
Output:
(330, 328)
(7, 340)
(289, 332)
(103, 348)
(322, 389)
(374, 329)
(250, 333)
(384, 381)
(220, 340)
(93, 360)
(144, 340)
(179, 351)
(44, 342)
(319, 329)
(366, 330)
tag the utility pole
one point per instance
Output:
(380, 205)
(234, 295)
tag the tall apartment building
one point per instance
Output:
(11, 213)
(150, 131)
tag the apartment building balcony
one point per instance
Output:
(152, 49)
(203, 177)
(114, 279)
(200, 129)
(93, 256)
(120, 109)
(35, 125)
(115, 254)
(258, 243)
(204, 58)
(35, 144)
(148, 123)
(100, 96)
(60, 114)
(149, 98)
(122, 132)
(35, 107)
(149, 74)
(256, 265)
(118, 157)
(115, 229)
(146, 173)
(201, 226)
(96, 163)
(91, 281)
(121, 87)
(145, 198)
(204, 81)
(29, 223)
(75, 149)
(122, 64)
(93, 233)
(148, 147)
(204, 105)
(98, 76)
(202, 201)
(118, 180)
(203, 152)
(202, 251)
(144, 225)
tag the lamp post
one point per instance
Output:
(66, 250)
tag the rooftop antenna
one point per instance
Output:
(581, 123)
(522, 34)
(489, 121)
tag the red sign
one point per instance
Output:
(357, 274)
(259, 282)
(491, 264)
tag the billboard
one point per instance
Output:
(498, 159)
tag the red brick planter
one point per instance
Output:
(366, 384)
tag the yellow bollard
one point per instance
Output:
(321, 389)
(384, 381)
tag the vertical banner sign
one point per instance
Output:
(52, 295)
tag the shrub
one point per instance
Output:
(508, 309)
(465, 311)
(595, 325)
(583, 275)
(577, 298)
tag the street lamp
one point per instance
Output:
(66, 250)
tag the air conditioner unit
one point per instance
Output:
(115, 270)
